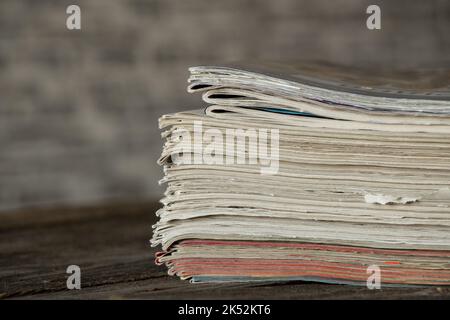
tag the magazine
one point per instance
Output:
(308, 172)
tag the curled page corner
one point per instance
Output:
(388, 199)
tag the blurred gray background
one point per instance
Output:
(79, 109)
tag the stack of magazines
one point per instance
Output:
(308, 172)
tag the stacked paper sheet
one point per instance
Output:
(308, 174)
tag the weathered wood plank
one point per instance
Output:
(110, 244)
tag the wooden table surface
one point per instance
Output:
(111, 246)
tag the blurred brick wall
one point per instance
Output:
(79, 109)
